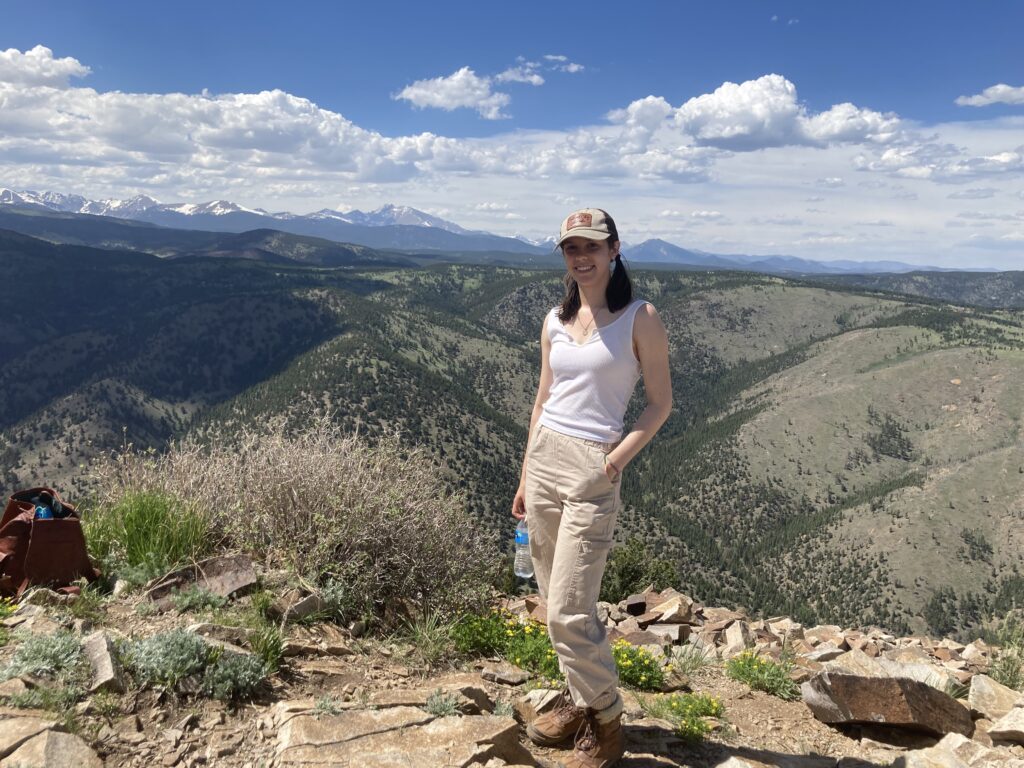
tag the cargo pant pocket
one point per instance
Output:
(585, 584)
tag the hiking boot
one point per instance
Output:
(599, 745)
(557, 725)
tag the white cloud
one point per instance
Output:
(491, 206)
(876, 223)
(707, 215)
(462, 88)
(791, 22)
(778, 221)
(562, 63)
(38, 67)
(994, 94)
(972, 194)
(765, 113)
(525, 72)
(831, 182)
(669, 213)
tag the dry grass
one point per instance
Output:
(374, 519)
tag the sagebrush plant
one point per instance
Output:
(56, 658)
(169, 658)
(333, 506)
(194, 599)
(763, 674)
(327, 705)
(638, 668)
(442, 704)
(686, 711)
(142, 533)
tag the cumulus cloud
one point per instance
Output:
(524, 72)
(831, 182)
(1000, 93)
(707, 215)
(765, 113)
(942, 162)
(38, 67)
(462, 88)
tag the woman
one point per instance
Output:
(594, 348)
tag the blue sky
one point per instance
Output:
(819, 129)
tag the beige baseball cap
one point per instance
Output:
(590, 223)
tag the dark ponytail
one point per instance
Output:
(619, 292)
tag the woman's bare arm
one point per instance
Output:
(651, 342)
(543, 390)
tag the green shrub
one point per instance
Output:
(195, 599)
(169, 658)
(525, 644)
(145, 533)
(1008, 665)
(328, 504)
(443, 704)
(632, 568)
(688, 659)
(268, 645)
(54, 656)
(327, 705)
(637, 667)
(429, 636)
(686, 711)
(763, 674)
(57, 658)
(233, 676)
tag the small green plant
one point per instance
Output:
(268, 645)
(633, 567)
(525, 644)
(7, 607)
(53, 656)
(504, 708)
(688, 659)
(146, 608)
(1008, 666)
(145, 534)
(107, 705)
(233, 676)
(637, 667)
(441, 704)
(195, 599)
(57, 658)
(167, 658)
(686, 711)
(327, 705)
(429, 636)
(763, 674)
(88, 604)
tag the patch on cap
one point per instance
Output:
(580, 219)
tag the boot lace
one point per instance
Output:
(587, 740)
(565, 710)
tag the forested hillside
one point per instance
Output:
(832, 455)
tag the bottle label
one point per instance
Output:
(522, 537)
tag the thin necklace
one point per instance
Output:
(586, 328)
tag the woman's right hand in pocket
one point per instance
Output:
(519, 504)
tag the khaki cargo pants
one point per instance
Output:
(571, 507)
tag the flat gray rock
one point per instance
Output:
(53, 749)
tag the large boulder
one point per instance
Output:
(837, 697)
(53, 749)
(991, 699)
(402, 736)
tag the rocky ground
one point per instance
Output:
(338, 699)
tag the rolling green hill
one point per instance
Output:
(832, 454)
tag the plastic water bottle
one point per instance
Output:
(43, 512)
(524, 563)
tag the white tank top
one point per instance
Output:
(591, 382)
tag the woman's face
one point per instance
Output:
(589, 261)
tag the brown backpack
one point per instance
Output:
(46, 552)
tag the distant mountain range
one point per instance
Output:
(403, 228)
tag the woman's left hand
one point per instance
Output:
(612, 470)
